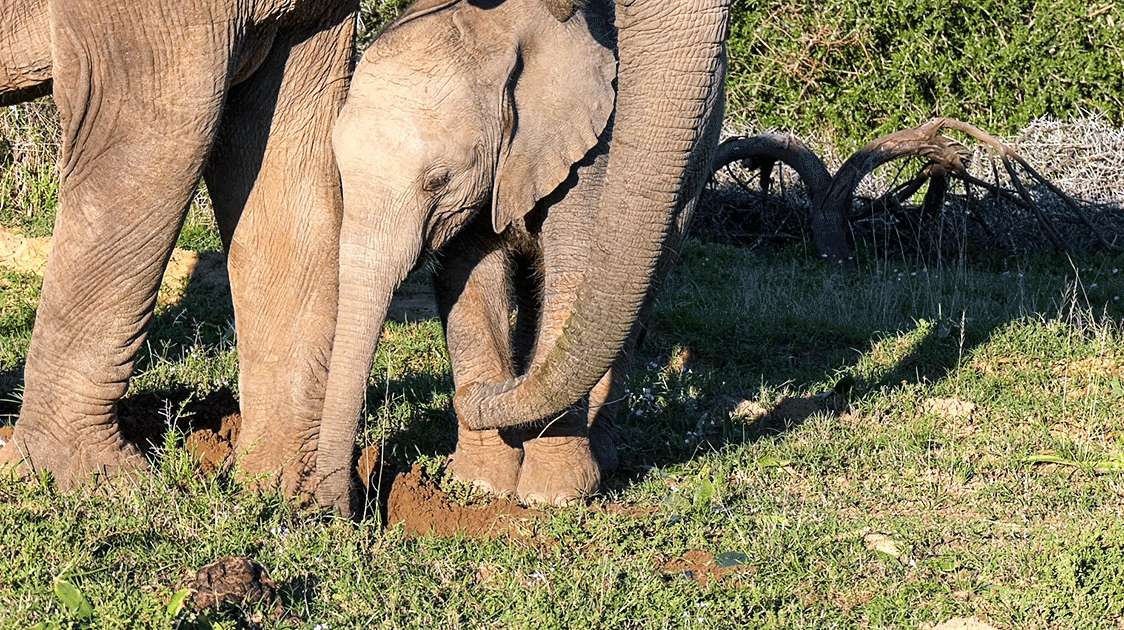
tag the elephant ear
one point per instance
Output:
(557, 101)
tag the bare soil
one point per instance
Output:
(422, 509)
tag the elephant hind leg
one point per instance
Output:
(474, 298)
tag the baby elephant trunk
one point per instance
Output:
(374, 259)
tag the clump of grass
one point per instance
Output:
(29, 145)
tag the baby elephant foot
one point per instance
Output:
(489, 460)
(72, 463)
(558, 470)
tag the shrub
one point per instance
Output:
(847, 71)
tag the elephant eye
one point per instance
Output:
(435, 181)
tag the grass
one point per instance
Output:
(971, 470)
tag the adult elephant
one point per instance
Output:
(155, 95)
(481, 131)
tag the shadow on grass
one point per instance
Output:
(200, 318)
(783, 372)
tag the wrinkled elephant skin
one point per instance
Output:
(155, 95)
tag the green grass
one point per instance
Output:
(1006, 509)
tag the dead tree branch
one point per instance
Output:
(762, 152)
(832, 197)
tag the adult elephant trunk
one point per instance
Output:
(374, 259)
(671, 68)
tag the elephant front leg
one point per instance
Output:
(277, 199)
(565, 459)
(473, 297)
(128, 167)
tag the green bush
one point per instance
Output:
(848, 71)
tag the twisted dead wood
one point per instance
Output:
(762, 152)
(832, 197)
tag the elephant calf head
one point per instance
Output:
(456, 106)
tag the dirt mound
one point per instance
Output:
(424, 510)
(213, 449)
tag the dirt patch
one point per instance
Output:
(211, 423)
(700, 566)
(214, 449)
(422, 509)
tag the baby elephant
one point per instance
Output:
(479, 131)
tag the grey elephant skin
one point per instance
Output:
(484, 133)
(153, 96)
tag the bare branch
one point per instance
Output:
(762, 152)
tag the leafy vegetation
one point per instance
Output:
(849, 71)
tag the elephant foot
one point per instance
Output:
(71, 462)
(490, 460)
(267, 466)
(558, 470)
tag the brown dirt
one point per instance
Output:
(699, 566)
(422, 509)
(213, 449)
(211, 423)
